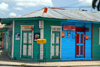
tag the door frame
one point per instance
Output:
(80, 44)
(84, 39)
(21, 40)
(7, 42)
(60, 38)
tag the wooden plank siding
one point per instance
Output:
(17, 42)
(96, 46)
(47, 35)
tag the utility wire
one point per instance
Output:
(14, 11)
(67, 6)
(20, 12)
(61, 7)
(72, 4)
(80, 7)
(37, 4)
(4, 12)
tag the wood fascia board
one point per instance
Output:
(8, 20)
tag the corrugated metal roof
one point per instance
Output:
(66, 14)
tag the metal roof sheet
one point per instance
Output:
(65, 14)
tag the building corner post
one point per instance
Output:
(13, 27)
(41, 37)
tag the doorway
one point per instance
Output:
(80, 42)
(26, 44)
(55, 42)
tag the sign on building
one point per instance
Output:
(40, 24)
(27, 28)
(68, 27)
(41, 41)
(17, 36)
(36, 36)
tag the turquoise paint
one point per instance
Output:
(68, 43)
(17, 42)
(36, 50)
(5, 41)
(47, 35)
(9, 41)
(95, 45)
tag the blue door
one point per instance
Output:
(80, 45)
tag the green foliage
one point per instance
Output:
(94, 2)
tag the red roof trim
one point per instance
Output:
(45, 10)
(58, 8)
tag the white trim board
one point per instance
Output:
(13, 38)
(41, 36)
(32, 40)
(99, 35)
(56, 26)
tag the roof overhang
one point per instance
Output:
(8, 20)
(82, 21)
(3, 29)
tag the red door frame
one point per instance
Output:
(78, 30)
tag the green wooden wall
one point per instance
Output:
(47, 35)
(5, 40)
(17, 42)
(96, 46)
(9, 41)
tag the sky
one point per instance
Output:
(10, 8)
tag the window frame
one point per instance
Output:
(99, 35)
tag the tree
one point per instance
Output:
(94, 4)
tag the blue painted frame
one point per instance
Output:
(80, 44)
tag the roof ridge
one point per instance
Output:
(32, 12)
(70, 9)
